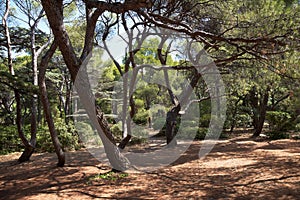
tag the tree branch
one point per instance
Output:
(118, 7)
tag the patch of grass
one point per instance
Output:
(109, 176)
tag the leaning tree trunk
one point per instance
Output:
(54, 12)
(99, 122)
(46, 105)
(28, 147)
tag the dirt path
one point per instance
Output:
(239, 168)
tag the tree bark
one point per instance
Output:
(171, 122)
(262, 114)
(29, 148)
(54, 12)
(46, 105)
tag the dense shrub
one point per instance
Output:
(141, 117)
(117, 131)
(201, 133)
(279, 120)
(189, 123)
(188, 132)
(67, 136)
(297, 127)
(139, 135)
(87, 134)
(243, 120)
(277, 135)
(10, 141)
(159, 123)
(238, 120)
(204, 120)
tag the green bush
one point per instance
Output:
(9, 140)
(297, 127)
(278, 120)
(87, 134)
(206, 133)
(277, 135)
(67, 136)
(43, 140)
(117, 130)
(243, 120)
(187, 132)
(204, 120)
(240, 120)
(201, 133)
(139, 135)
(189, 123)
(141, 117)
(159, 123)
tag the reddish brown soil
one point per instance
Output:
(239, 168)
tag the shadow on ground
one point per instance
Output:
(240, 168)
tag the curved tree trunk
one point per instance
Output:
(29, 148)
(46, 105)
(99, 122)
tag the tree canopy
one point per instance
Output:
(254, 45)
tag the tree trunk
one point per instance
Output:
(233, 122)
(54, 12)
(46, 105)
(262, 114)
(128, 117)
(171, 122)
(255, 107)
(28, 147)
(99, 122)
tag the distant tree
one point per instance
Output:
(34, 13)
(12, 73)
(227, 34)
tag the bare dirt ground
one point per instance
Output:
(239, 168)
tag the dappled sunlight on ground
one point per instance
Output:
(239, 168)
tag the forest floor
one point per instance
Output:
(237, 168)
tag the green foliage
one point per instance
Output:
(297, 127)
(204, 120)
(159, 123)
(117, 130)
(87, 134)
(187, 132)
(9, 140)
(201, 133)
(111, 176)
(277, 135)
(66, 135)
(240, 120)
(141, 117)
(278, 119)
(243, 120)
(140, 135)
